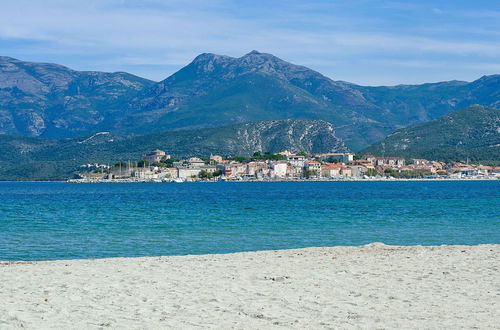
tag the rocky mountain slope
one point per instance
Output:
(40, 99)
(28, 158)
(52, 101)
(472, 132)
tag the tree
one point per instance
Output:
(241, 159)
(121, 164)
(309, 173)
(142, 163)
(392, 172)
(333, 160)
(205, 174)
(169, 162)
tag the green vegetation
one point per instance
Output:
(333, 160)
(257, 156)
(205, 174)
(371, 172)
(407, 174)
(168, 162)
(472, 133)
(24, 158)
(142, 163)
(123, 164)
(309, 173)
(267, 156)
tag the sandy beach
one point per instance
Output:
(369, 287)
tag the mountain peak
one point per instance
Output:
(253, 52)
(208, 57)
(8, 59)
(264, 62)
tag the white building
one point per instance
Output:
(296, 160)
(313, 166)
(280, 169)
(195, 162)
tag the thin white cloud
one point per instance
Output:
(171, 33)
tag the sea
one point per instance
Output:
(56, 220)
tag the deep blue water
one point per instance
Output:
(42, 221)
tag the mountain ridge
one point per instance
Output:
(470, 133)
(217, 90)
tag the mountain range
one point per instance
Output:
(29, 158)
(470, 133)
(48, 100)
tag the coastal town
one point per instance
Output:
(159, 166)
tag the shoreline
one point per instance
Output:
(368, 286)
(292, 180)
(274, 180)
(367, 245)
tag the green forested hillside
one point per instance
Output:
(26, 158)
(469, 133)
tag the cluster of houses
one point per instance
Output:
(158, 165)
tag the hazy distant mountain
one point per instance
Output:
(409, 104)
(39, 99)
(28, 158)
(472, 132)
(53, 101)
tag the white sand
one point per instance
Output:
(370, 287)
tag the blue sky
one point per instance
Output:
(370, 42)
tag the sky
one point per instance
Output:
(368, 42)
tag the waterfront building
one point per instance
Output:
(169, 172)
(144, 173)
(233, 169)
(390, 161)
(313, 166)
(358, 170)
(280, 169)
(296, 160)
(188, 172)
(330, 170)
(346, 171)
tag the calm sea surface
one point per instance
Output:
(43, 221)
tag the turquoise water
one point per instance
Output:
(43, 221)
